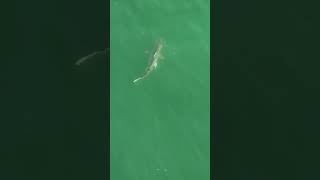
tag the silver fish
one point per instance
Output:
(154, 58)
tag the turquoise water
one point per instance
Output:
(160, 126)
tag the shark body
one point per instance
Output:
(154, 58)
(90, 56)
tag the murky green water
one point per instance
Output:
(160, 126)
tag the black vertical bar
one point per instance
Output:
(108, 10)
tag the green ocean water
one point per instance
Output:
(160, 127)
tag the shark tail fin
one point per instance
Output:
(136, 80)
(142, 77)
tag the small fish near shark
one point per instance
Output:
(154, 58)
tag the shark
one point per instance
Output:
(90, 56)
(154, 58)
